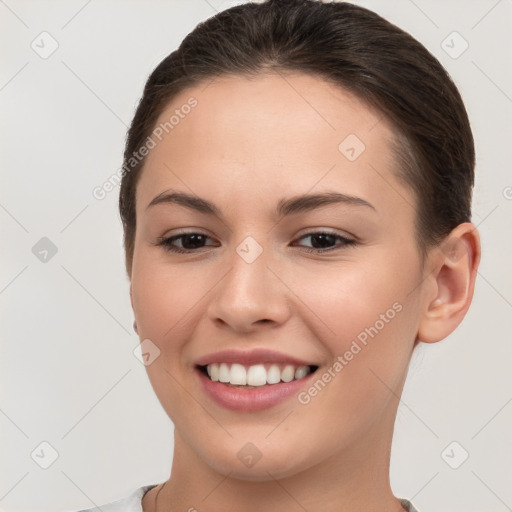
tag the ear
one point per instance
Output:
(451, 283)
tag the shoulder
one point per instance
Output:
(131, 503)
(408, 505)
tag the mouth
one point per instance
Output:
(244, 376)
(255, 387)
(252, 380)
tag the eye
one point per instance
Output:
(324, 239)
(190, 242)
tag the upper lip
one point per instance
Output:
(250, 357)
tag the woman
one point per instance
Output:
(296, 203)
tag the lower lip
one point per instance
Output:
(251, 399)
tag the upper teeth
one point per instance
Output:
(255, 375)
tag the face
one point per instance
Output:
(333, 284)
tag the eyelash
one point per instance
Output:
(166, 243)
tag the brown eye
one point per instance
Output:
(189, 242)
(323, 241)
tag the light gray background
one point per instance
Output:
(69, 376)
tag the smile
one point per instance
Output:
(250, 376)
(252, 380)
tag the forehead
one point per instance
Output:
(270, 135)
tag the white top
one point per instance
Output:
(133, 503)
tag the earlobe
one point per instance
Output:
(454, 265)
(135, 321)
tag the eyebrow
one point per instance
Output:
(290, 206)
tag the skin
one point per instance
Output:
(246, 145)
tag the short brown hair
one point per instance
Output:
(347, 45)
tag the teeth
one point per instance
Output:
(273, 374)
(255, 375)
(288, 373)
(223, 372)
(238, 375)
(213, 371)
(300, 372)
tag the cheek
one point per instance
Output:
(374, 330)
(162, 296)
(375, 316)
(367, 320)
(350, 298)
(162, 304)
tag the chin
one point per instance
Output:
(251, 465)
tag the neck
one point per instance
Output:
(352, 479)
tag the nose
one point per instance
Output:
(251, 295)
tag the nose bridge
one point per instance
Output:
(250, 292)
